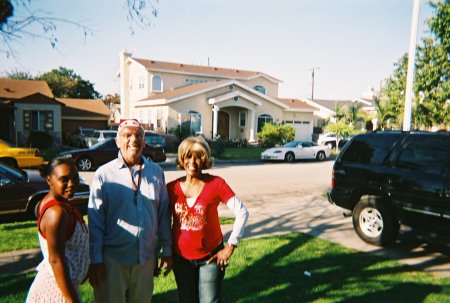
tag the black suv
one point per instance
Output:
(388, 178)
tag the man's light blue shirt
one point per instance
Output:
(124, 226)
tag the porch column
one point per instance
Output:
(252, 126)
(215, 110)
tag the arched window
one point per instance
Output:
(263, 119)
(191, 122)
(260, 88)
(157, 83)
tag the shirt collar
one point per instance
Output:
(122, 164)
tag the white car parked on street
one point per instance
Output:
(297, 150)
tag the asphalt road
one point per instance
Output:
(283, 197)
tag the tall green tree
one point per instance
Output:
(65, 83)
(19, 75)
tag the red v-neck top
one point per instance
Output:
(196, 230)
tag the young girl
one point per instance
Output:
(63, 237)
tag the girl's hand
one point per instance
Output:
(222, 256)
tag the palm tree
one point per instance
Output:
(384, 113)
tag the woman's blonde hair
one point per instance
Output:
(194, 145)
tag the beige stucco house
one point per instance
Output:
(211, 101)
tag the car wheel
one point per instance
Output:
(84, 164)
(375, 222)
(32, 210)
(320, 156)
(330, 145)
(289, 157)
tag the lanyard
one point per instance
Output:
(136, 186)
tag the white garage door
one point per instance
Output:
(302, 129)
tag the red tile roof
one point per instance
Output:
(208, 71)
(296, 104)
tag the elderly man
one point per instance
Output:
(128, 213)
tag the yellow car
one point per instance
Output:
(19, 156)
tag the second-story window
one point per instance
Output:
(260, 88)
(157, 83)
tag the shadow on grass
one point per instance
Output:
(340, 277)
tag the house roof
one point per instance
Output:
(17, 89)
(331, 104)
(195, 89)
(199, 70)
(296, 104)
(184, 90)
(95, 106)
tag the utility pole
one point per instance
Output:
(312, 85)
(411, 65)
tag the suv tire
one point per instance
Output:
(375, 222)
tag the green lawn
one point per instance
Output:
(249, 153)
(272, 269)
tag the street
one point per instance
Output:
(286, 197)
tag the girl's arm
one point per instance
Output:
(55, 224)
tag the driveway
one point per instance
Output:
(283, 198)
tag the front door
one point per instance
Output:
(223, 127)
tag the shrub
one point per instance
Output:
(40, 139)
(275, 134)
(180, 132)
(217, 147)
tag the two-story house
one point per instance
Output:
(212, 101)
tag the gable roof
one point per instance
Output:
(95, 106)
(196, 89)
(297, 105)
(17, 89)
(331, 104)
(199, 70)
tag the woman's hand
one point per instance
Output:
(222, 256)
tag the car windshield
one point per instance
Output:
(109, 134)
(16, 172)
(291, 144)
(98, 144)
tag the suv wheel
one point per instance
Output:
(375, 222)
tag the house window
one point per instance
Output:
(263, 119)
(260, 89)
(38, 120)
(191, 122)
(141, 81)
(195, 81)
(157, 83)
(242, 118)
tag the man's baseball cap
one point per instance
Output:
(129, 122)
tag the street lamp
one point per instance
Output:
(312, 77)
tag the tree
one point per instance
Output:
(432, 75)
(384, 113)
(18, 21)
(341, 129)
(19, 75)
(275, 134)
(65, 83)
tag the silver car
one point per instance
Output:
(99, 136)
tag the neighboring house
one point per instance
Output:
(212, 101)
(26, 106)
(326, 109)
(85, 113)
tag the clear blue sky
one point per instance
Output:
(354, 43)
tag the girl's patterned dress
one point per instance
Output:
(44, 287)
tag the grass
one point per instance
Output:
(272, 269)
(248, 153)
(24, 235)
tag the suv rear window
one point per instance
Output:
(370, 148)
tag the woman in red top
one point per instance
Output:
(200, 257)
